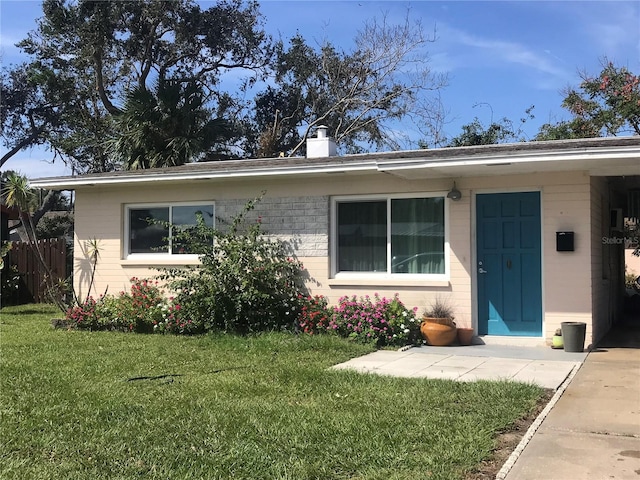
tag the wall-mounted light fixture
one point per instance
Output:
(454, 193)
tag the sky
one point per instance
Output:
(500, 57)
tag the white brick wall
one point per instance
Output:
(301, 222)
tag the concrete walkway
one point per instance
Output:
(593, 431)
(543, 366)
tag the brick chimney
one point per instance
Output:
(322, 145)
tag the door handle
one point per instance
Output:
(509, 264)
(480, 269)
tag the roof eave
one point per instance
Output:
(587, 159)
(584, 155)
(70, 183)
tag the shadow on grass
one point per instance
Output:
(155, 377)
(172, 375)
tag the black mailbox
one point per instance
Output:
(564, 242)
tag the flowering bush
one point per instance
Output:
(175, 320)
(245, 282)
(315, 314)
(379, 320)
(403, 322)
(382, 321)
(141, 310)
(84, 315)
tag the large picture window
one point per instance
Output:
(393, 235)
(149, 227)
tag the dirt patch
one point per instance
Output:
(507, 442)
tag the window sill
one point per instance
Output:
(159, 262)
(383, 282)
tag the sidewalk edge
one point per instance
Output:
(504, 471)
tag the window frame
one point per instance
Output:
(388, 275)
(126, 243)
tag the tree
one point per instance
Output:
(357, 94)
(25, 116)
(59, 226)
(17, 193)
(504, 130)
(165, 127)
(475, 133)
(605, 105)
(276, 117)
(87, 56)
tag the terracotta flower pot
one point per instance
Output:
(465, 336)
(438, 334)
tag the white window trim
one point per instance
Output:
(151, 257)
(375, 276)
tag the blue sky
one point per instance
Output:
(501, 57)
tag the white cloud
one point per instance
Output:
(551, 54)
(511, 52)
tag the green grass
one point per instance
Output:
(261, 407)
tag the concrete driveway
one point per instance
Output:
(593, 431)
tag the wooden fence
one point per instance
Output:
(24, 257)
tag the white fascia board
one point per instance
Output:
(515, 158)
(70, 183)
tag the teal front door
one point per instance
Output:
(509, 264)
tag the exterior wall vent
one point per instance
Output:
(322, 145)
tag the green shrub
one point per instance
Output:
(245, 282)
(141, 310)
(108, 314)
(10, 285)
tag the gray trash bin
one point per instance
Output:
(573, 335)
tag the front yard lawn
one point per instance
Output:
(97, 405)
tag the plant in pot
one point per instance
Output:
(438, 327)
(556, 340)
